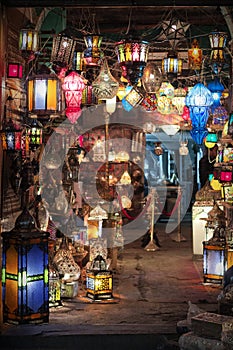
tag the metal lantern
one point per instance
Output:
(105, 86)
(43, 94)
(28, 41)
(34, 135)
(73, 86)
(172, 65)
(25, 272)
(99, 280)
(195, 56)
(132, 56)
(11, 137)
(199, 100)
(218, 42)
(92, 54)
(62, 51)
(15, 70)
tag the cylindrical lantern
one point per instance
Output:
(15, 70)
(195, 56)
(172, 65)
(43, 94)
(132, 56)
(28, 40)
(25, 272)
(92, 54)
(218, 42)
(73, 86)
(199, 100)
(11, 137)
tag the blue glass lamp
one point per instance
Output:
(216, 88)
(199, 100)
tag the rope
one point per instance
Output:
(133, 217)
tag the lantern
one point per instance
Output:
(28, 41)
(152, 78)
(105, 86)
(179, 99)
(92, 54)
(216, 87)
(11, 137)
(15, 70)
(186, 114)
(34, 135)
(195, 56)
(54, 286)
(43, 94)
(77, 63)
(132, 98)
(218, 42)
(132, 56)
(172, 65)
(99, 280)
(62, 51)
(199, 99)
(73, 86)
(25, 272)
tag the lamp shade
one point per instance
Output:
(132, 56)
(172, 65)
(25, 272)
(34, 135)
(43, 94)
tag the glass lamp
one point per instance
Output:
(15, 70)
(152, 78)
(92, 54)
(34, 134)
(28, 41)
(132, 98)
(11, 137)
(216, 87)
(195, 56)
(199, 100)
(172, 65)
(218, 42)
(25, 272)
(179, 99)
(132, 56)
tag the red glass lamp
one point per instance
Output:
(15, 70)
(73, 86)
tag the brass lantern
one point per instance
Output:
(25, 272)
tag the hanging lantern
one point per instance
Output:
(186, 114)
(43, 94)
(179, 99)
(92, 55)
(110, 105)
(28, 41)
(121, 91)
(216, 87)
(220, 115)
(152, 78)
(105, 86)
(77, 63)
(34, 134)
(172, 65)
(132, 98)
(25, 272)
(199, 100)
(73, 86)
(15, 70)
(132, 56)
(195, 56)
(149, 102)
(99, 280)
(62, 52)
(218, 42)
(11, 137)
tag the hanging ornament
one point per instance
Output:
(152, 78)
(105, 86)
(195, 56)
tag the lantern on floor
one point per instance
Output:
(216, 87)
(43, 93)
(92, 54)
(132, 56)
(99, 280)
(34, 135)
(15, 70)
(28, 41)
(11, 137)
(218, 42)
(105, 86)
(172, 65)
(199, 100)
(195, 56)
(73, 86)
(214, 248)
(25, 272)
(62, 52)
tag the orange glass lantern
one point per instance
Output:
(195, 56)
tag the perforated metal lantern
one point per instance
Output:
(25, 272)
(62, 51)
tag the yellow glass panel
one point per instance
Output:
(52, 95)
(12, 261)
(30, 95)
(11, 295)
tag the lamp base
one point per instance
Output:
(151, 247)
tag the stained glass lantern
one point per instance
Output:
(43, 94)
(105, 86)
(216, 87)
(62, 51)
(93, 54)
(11, 137)
(28, 41)
(152, 78)
(77, 63)
(149, 102)
(218, 41)
(132, 98)
(15, 70)
(179, 99)
(25, 272)
(34, 135)
(99, 280)
(195, 56)
(132, 56)
(220, 115)
(73, 86)
(199, 100)
(172, 65)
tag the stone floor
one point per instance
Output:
(151, 294)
